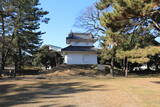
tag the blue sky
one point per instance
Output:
(62, 14)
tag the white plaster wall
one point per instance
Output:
(65, 59)
(81, 43)
(81, 58)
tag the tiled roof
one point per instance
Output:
(80, 48)
(80, 36)
(55, 48)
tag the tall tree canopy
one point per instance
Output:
(125, 12)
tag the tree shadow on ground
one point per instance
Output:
(6, 88)
(70, 106)
(12, 94)
(156, 82)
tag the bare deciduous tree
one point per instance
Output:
(89, 20)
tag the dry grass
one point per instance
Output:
(71, 70)
(80, 92)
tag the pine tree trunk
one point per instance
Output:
(112, 67)
(46, 67)
(123, 65)
(2, 67)
(157, 67)
(19, 56)
(3, 45)
(16, 67)
(20, 60)
(0, 64)
(126, 67)
(148, 67)
(126, 73)
(17, 61)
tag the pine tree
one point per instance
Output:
(5, 28)
(130, 25)
(24, 22)
(27, 37)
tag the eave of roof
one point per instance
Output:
(80, 48)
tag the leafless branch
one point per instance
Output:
(89, 20)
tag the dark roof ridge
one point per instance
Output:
(79, 33)
(80, 46)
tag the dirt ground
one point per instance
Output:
(80, 92)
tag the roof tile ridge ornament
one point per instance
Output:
(70, 34)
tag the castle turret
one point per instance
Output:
(81, 49)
